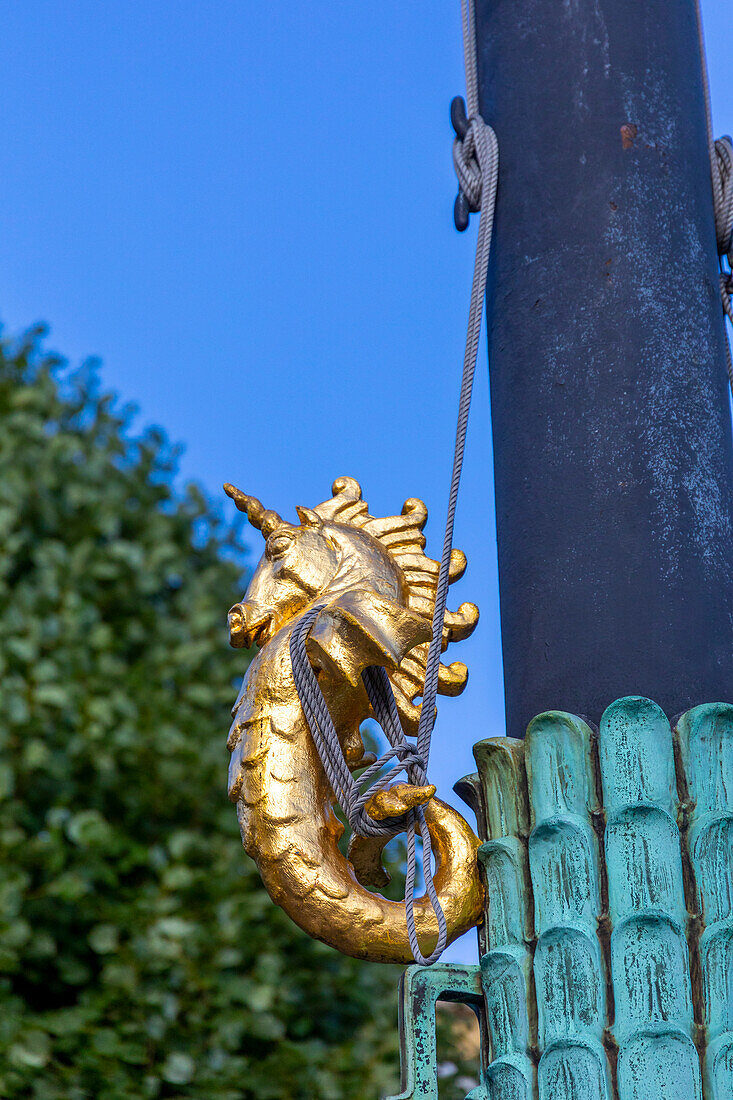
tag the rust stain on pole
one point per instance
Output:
(628, 134)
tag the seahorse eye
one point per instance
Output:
(278, 545)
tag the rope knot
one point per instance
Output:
(466, 164)
(475, 159)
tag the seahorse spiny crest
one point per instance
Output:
(402, 537)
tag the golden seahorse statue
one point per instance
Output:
(379, 591)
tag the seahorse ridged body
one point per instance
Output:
(378, 587)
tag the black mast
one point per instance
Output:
(611, 421)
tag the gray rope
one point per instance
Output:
(723, 192)
(476, 160)
(470, 62)
(721, 169)
(347, 790)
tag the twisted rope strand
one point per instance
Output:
(476, 157)
(723, 191)
(723, 200)
(346, 789)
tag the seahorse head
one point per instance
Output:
(302, 562)
(377, 582)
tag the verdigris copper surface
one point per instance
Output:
(420, 989)
(607, 948)
(705, 738)
(649, 958)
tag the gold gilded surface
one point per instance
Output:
(379, 589)
(396, 800)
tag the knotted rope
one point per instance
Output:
(477, 153)
(350, 797)
(467, 166)
(346, 789)
(476, 157)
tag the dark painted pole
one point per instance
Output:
(612, 437)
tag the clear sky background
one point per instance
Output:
(245, 210)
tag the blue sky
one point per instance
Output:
(244, 210)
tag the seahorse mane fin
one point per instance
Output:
(361, 628)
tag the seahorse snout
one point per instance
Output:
(249, 624)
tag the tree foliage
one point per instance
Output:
(139, 955)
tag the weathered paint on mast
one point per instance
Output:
(612, 439)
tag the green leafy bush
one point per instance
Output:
(139, 955)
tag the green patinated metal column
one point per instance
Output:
(606, 955)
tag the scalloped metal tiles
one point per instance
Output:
(607, 949)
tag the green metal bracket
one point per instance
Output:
(420, 990)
